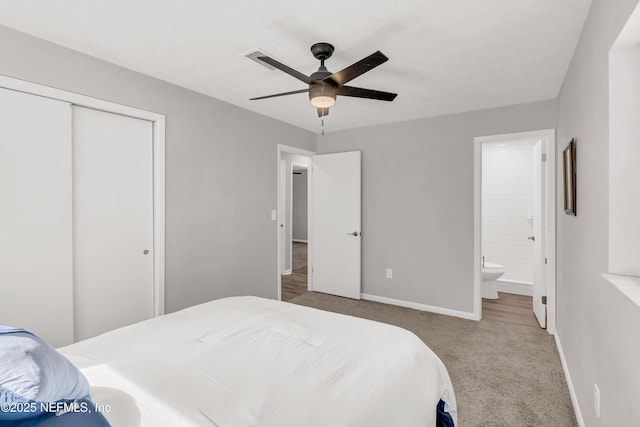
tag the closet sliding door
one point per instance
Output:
(36, 277)
(112, 221)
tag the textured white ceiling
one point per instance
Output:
(446, 56)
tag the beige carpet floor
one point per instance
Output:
(503, 374)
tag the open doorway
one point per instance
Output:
(515, 228)
(294, 245)
(333, 225)
(294, 281)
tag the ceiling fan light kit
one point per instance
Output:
(321, 98)
(325, 86)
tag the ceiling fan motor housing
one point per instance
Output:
(319, 90)
(318, 87)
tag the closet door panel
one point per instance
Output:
(113, 221)
(36, 281)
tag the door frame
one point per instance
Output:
(158, 124)
(281, 148)
(549, 136)
(282, 188)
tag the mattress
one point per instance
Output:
(249, 361)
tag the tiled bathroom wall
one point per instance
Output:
(507, 207)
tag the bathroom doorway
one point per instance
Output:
(515, 227)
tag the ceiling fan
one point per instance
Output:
(324, 86)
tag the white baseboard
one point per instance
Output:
(418, 306)
(299, 241)
(286, 272)
(572, 392)
(514, 287)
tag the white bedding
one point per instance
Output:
(248, 361)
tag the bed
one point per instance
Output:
(249, 361)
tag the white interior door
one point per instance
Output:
(336, 223)
(113, 221)
(539, 280)
(36, 275)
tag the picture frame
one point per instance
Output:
(569, 174)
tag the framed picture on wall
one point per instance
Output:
(569, 169)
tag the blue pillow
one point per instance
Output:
(32, 374)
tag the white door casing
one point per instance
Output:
(336, 223)
(112, 221)
(36, 276)
(548, 223)
(538, 244)
(282, 152)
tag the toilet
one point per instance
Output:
(490, 273)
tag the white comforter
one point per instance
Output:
(248, 361)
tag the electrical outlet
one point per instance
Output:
(596, 399)
(389, 273)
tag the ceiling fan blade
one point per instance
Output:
(323, 112)
(280, 66)
(359, 92)
(281, 94)
(359, 68)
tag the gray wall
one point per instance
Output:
(417, 199)
(299, 206)
(221, 170)
(597, 326)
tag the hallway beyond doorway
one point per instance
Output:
(295, 284)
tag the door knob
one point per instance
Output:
(355, 233)
(146, 251)
(533, 238)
